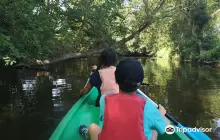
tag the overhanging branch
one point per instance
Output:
(144, 26)
(216, 12)
(159, 7)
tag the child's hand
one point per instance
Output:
(162, 110)
(81, 93)
(94, 68)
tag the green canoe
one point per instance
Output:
(84, 112)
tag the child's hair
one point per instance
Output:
(108, 57)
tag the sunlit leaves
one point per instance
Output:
(27, 28)
(8, 60)
(191, 31)
(41, 29)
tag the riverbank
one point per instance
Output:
(40, 65)
(210, 64)
(44, 66)
(215, 64)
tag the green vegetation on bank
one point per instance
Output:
(45, 29)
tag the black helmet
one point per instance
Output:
(129, 75)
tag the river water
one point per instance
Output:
(32, 103)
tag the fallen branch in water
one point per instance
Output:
(76, 55)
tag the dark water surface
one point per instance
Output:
(32, 103)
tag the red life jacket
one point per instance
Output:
(123, 118)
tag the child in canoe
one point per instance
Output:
(126, 115)
(104, 78)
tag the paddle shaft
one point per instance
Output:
(88, 80)
(168, 116)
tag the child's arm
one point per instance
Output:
(163, 112)
(102, 107)
(153, 119)
(86, 89)
(159, 122)
(94, 80)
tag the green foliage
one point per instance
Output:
(211, 55)
(192, 33)
(26, 29)
(31, 29)
(8, 60)
(6, 46)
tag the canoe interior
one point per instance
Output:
(84, 112)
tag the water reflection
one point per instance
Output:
(40, 99)
(59, 82)
(59, 87)
(56, 92)
(187, 92)
(56, 96)
(28, 85)
(217, 129)
(28, 94)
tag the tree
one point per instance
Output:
(191, 31)
(41, 29)
(27, 29)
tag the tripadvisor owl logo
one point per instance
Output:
(169, 129)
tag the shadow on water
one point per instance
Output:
(32, 103)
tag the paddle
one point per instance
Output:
(88, 79)
(93, 70)
(192, 135)
(86, 83)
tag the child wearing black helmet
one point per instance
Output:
(126, 115)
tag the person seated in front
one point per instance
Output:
(126, 115)
(104, 78)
